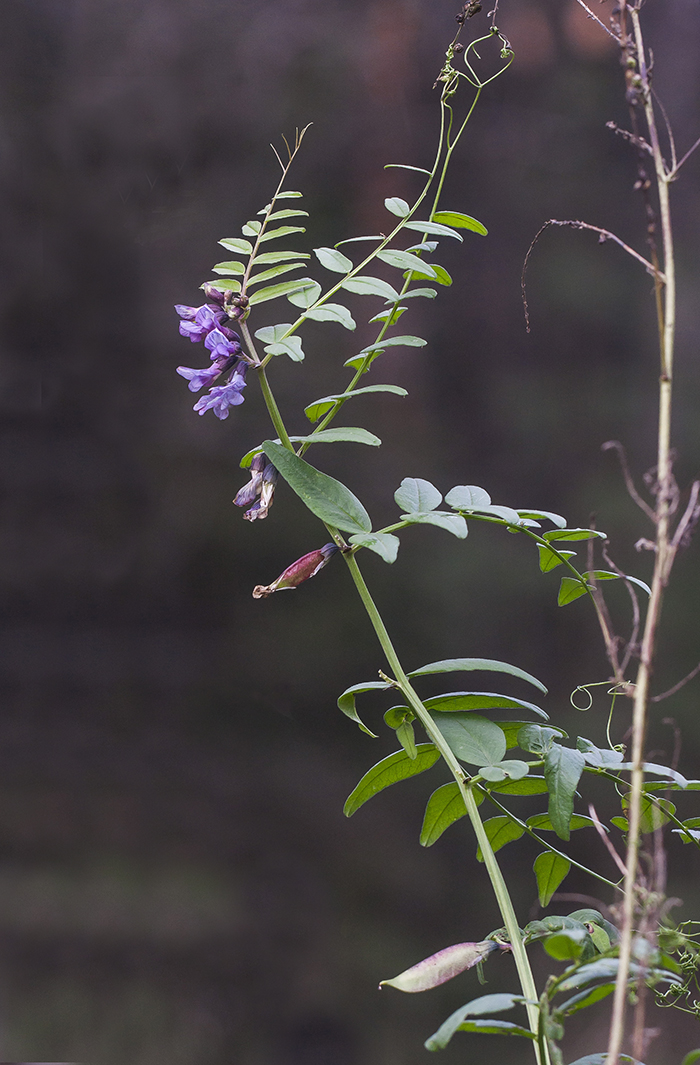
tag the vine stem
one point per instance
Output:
(498, 883)
(664, 550)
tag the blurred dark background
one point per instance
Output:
(177, 880)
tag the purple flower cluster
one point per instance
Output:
(207, 323)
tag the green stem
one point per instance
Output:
(273, 409)
(498, 883)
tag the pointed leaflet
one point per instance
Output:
(333, 260)
(325, 497)
(403, 260)
(445, 806)
(439, 275)
(341, 434)
(500, 830)
(460, 221)
(472, 738)
(319, 407)
(389, 771)
(416, 494)
(232, 267)
(454, 701)
(568, 535)
(458, 1021)
(346, 701)
(456, 665)
(287, 213)
(550, 869)
(562, 771)
(283, 289)
(433, 227)
(281, 231)
(556, 519)
(279, 256)
(529, 785)
(443, 966)
(371, 286)
(242, 246)
(274, 271)
(383, 544)
(548, 559)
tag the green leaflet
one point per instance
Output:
(339, 434)
(316, 410)
(654, 813)
(457, 1021)
(536, 739)
(333, 312)
(445, 806)
(562, 771)
(567, 945)
(458, 665)
(457, 701)
(548, 559)
(460, 221)
(371, 286)
(334, 260)
(394, 342)
(543, 822)
(389, 771)
(529, 785)
(439, 274)
(279, 256)
(383, 544)
(227, 285)
(571, 589)
(231, 267)
(251, 228)
(288, 213)
(396, 206)
(325, 497)
(415, 494)
(556, 519)
(584, 999)
(242, 246)
(307, 296)
(403, 260)
(283, 289)
(573, 534)
(436, 228)
(346, 701)
(468, 497)
(472, 738)
(500, 830)
(281, 231)
(550, 870)
(274, 271)
(452, 523)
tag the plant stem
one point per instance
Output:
(273, 409)
(498, 883)
(663, 558)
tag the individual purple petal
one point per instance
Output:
(190, 313)
(442, 966)
(305, 567)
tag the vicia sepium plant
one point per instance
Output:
(494, 749)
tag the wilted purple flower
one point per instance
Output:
(222, 397)
(305, 567)
(222, 342)
(251, 491)
(262, 505)
(198, 322)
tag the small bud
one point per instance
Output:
(305, 567)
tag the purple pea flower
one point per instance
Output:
(222, 397)
(205, 377)
(222, 342)
(198, 322)
(305, 567)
